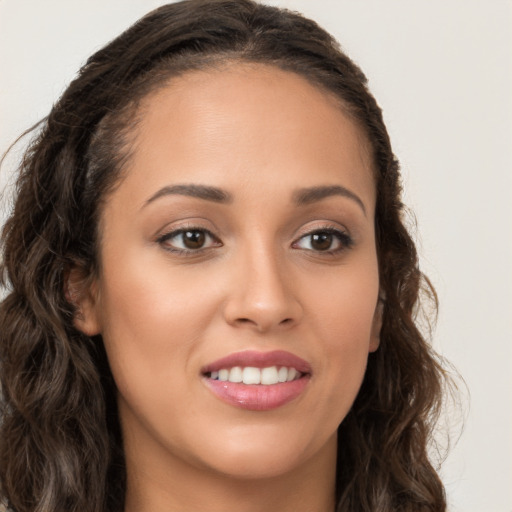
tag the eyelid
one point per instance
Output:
(342, 235)
(176, 231)
(345, 239)
(326, 226)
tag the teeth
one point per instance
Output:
(251, 375)
(269, 375)
(235, 375)
(282, 374)
(292, 373)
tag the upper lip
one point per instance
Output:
(259, 360)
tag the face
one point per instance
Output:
(239, 245)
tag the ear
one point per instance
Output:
(81, 290)
(377, 325)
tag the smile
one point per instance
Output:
(258, 381)
(251, 375)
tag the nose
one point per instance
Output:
(261, 295)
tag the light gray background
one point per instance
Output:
(442, 71)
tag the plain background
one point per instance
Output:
(442, 72)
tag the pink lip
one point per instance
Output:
(258, 397)
(259, 360)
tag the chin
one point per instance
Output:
(268, 457)
(256, 466)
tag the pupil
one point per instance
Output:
(193, 239)
(321, 241)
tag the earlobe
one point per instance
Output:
(81, 291)
(377, 325)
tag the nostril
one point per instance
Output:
(248, 321)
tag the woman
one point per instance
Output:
(211, 290)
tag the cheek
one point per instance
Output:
(151, 321)
(343, 319)
(143, 292)
(151, 324)
(346, 339)
(343, 302)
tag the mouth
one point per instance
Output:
(251, 375)
(258, 381)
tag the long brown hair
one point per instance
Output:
(60, 440)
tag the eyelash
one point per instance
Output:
(186, 252)
(344, 239)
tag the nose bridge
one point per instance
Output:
(262, 294)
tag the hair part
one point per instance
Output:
(60, 439)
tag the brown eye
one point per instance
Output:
(188, 240)
(193, 239)
(324, 240)
(321, 241)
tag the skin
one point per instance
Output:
(260, 134)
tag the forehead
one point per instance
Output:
(235, 121)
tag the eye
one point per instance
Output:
(326, 240)
(188, 240)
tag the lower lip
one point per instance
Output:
(257, 397)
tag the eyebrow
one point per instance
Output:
(306, 196)
(301, 197)
(205, 192)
